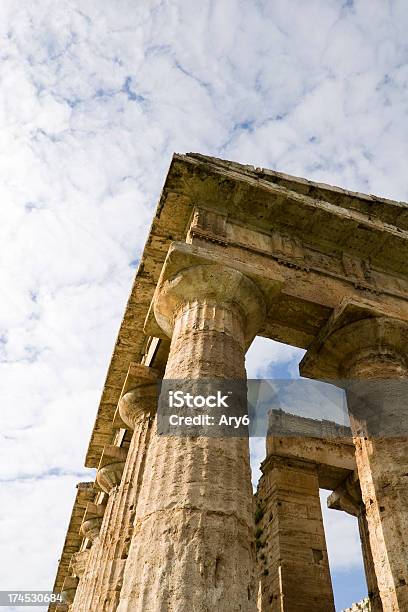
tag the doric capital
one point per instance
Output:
(91, 527)
(351, 347)
(216, 285)
(139, 398)
(92, 520)
(138, 403)
(78, 562)
(347, 496)
(111, 467)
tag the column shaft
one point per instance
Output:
(99, 588)
(382, 471)
(371, 578)
(105, 588)
(347, 498)
(86, 583)
(368, 357)
(193, 542)
(290, 540)
(382, 464)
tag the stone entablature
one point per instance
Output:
(362, 606)
(283, 423)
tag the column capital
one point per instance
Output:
(139, 395)
(91, 527)
(110, 467)
(358, 343)
(215, 285)
(92, 520)
(347, 496)
(78, 562)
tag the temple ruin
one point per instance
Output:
(171, 523)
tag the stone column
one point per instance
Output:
(371, 578)
(108, 554)
(193, 543)
(290, 540)
(347, 498)
(69, 589)
(94, 529)
(371, 354)
(78, 562)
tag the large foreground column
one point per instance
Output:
(291, 545)
(372, 355)
(193, 545)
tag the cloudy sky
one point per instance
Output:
(96, 95)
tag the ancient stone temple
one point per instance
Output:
(170, 522)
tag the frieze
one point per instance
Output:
(292, 253)
(208, 225)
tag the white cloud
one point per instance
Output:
(33, 530)
(258, 454)
(96, 96)
(264, 354)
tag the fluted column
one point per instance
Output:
(109, 553)
(69, 589)
(371, 578)
(78, 562)
(347, 498)
(193, 546)
(371, 354)
(94, 528)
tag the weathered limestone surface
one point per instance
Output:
(283, 423)
(326, 444)
(79, 561)
(111, 467)
(85, 494)
(324, 451)
(100, 586)
(347, 497)
(69, 589)
(290, 541)
(193, 546)
(371, 578)
(363, 351)
(328, 448)
(94, 529)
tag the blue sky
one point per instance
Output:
(96, 96)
